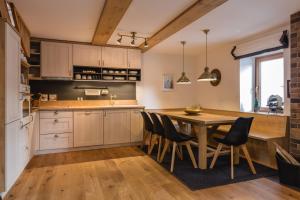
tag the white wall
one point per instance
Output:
(226, 95)
(149, 90)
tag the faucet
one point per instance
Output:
(112, 99)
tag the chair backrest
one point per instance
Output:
(170, 130)
(147, 122)
(239, 131)
(157, 126)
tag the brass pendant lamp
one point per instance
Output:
(214, 77)
(183, 80)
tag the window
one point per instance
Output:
(269, 78)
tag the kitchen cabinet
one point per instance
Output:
(116, 126)
(16, 151)
(88, 128)
(86, 55)
(12, 171)
(56, 60)
(12, 75)
(56, 125)
(134, 58)
(56, 141)
(56, 130)
(114, 57)
(136, 126)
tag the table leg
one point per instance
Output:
(201, 132)
(182, 126)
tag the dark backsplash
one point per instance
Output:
(65, 90)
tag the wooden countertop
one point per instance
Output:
(89, 104)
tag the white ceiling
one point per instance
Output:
(234, 20)
(146, 17)
(74, 20)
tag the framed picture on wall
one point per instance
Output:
(168, 82)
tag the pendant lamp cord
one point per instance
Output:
(206, 51)
(183, 56)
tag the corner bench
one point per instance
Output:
(265, 130)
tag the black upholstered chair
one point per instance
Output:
(177, 138)
(148, 130)
(236, 137)
(158, 134)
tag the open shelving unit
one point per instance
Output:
(83, 73)
(35, 60)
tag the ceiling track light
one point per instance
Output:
(133, 36)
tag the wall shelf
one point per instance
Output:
(106, 74)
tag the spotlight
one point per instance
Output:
(132, 43)
(119, 40)
(146, 43)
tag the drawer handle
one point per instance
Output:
(56, 136)
(55, 112)
(56, 120)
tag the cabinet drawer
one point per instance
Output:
(56, 141)
(56, 125)
(55, 114)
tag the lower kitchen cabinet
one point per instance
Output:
(136, 126)
(56, 141)
(116, 126)
(88, 128)
(16, 151)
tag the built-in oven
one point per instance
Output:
(25, 104)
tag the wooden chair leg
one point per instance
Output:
(246, 153)
(179, 153)
(167, 143)
(152, 143)
(188, 146)
(173, 156)
(159, 148)
(232, 162)
(216, 155)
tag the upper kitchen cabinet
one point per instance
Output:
(114, 57)
(86, 55)
(134, 58)
(56, 60)
(10, 64)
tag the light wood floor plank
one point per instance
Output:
(124, 173)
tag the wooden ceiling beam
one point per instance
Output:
(191, 14)
(111, 15)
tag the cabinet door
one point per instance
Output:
(134, 58)
(56, 60)
(86, 55)
(12, 163)
(88, 128)
(12, 74)
(114, 57)
(116, 126)
(136, 126)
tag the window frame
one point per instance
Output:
(258, 61)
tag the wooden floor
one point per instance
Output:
(123, 173)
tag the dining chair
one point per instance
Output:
(158, 134)
(148, 130)
(236, 137)
(177, 138)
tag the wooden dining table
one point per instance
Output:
(199, 124)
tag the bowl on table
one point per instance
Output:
(192, 111)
